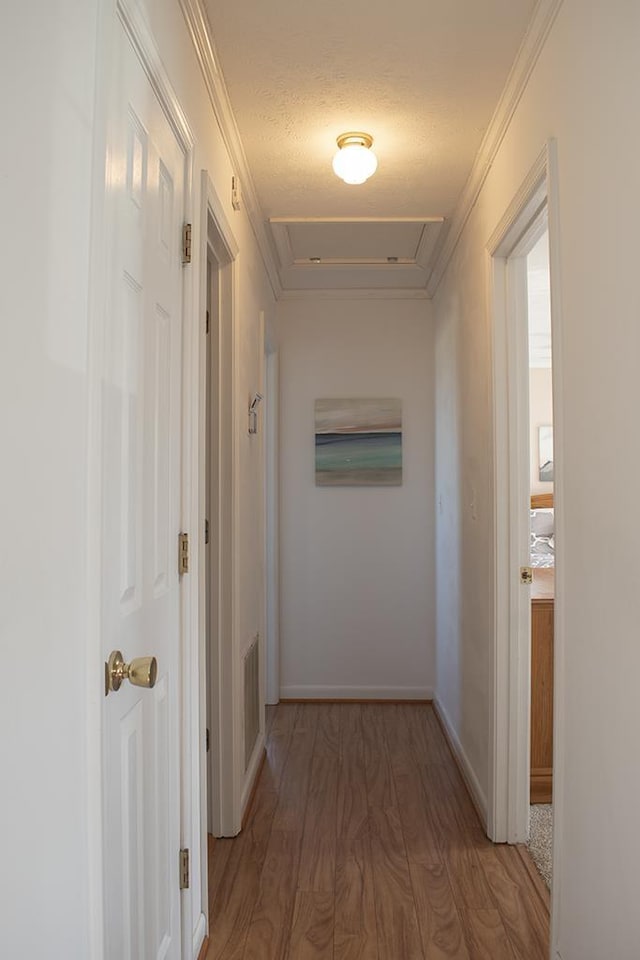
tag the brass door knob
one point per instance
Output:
(141, 672)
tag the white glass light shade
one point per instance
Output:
(355, 161)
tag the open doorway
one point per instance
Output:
(212, 537)
(524, 273)
(222, 693)
(272, 523)
(542, 554)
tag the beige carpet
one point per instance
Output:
(540, 839)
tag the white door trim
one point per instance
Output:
(508, 815)
(557, 349)
(225, 681)
(131, 16)
(508, 806)
(272, 544)
(133, 20)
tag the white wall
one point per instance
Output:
(45, 625)
(540, 415)
(464, 526)
(45, 197)
(357, 574)
(583, 91)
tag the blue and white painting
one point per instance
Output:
(359, 442)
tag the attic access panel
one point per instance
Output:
(348, 242)
(348, 253)
(354, 241)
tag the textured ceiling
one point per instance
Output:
(422, 76)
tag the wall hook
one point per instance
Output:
(253, 412)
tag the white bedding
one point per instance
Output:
(542, 543)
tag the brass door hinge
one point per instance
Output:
(526, 575)
(186, 243)
(184, 869)
(183, 553)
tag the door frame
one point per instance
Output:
(224, 684)
(128, 15)
(272, 522)
(508, 801)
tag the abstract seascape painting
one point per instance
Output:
(359, 443)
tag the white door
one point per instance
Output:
(140, 520)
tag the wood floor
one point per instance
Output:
(362, 844)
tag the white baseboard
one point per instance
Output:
(312, 692)
(199, 934)
(467, 771)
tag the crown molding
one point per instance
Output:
(381, 293)
(201, 36)
(526, 59)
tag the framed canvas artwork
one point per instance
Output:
(358, 442)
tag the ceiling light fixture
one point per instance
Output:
(355, 161)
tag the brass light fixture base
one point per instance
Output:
(355, 139)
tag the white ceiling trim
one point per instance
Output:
(282, 240)
(408, 267)
(380, 293)
(428, 243)
(355, 263)
(526, 59)
(200, 30)
(356, 219)
(354, 276)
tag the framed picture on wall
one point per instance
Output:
(358, 442)
(545, 454)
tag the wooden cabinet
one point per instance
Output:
(542, 601)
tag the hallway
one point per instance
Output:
(362, 844)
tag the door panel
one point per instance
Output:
(140, 520)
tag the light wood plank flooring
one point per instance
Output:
(362, 844)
